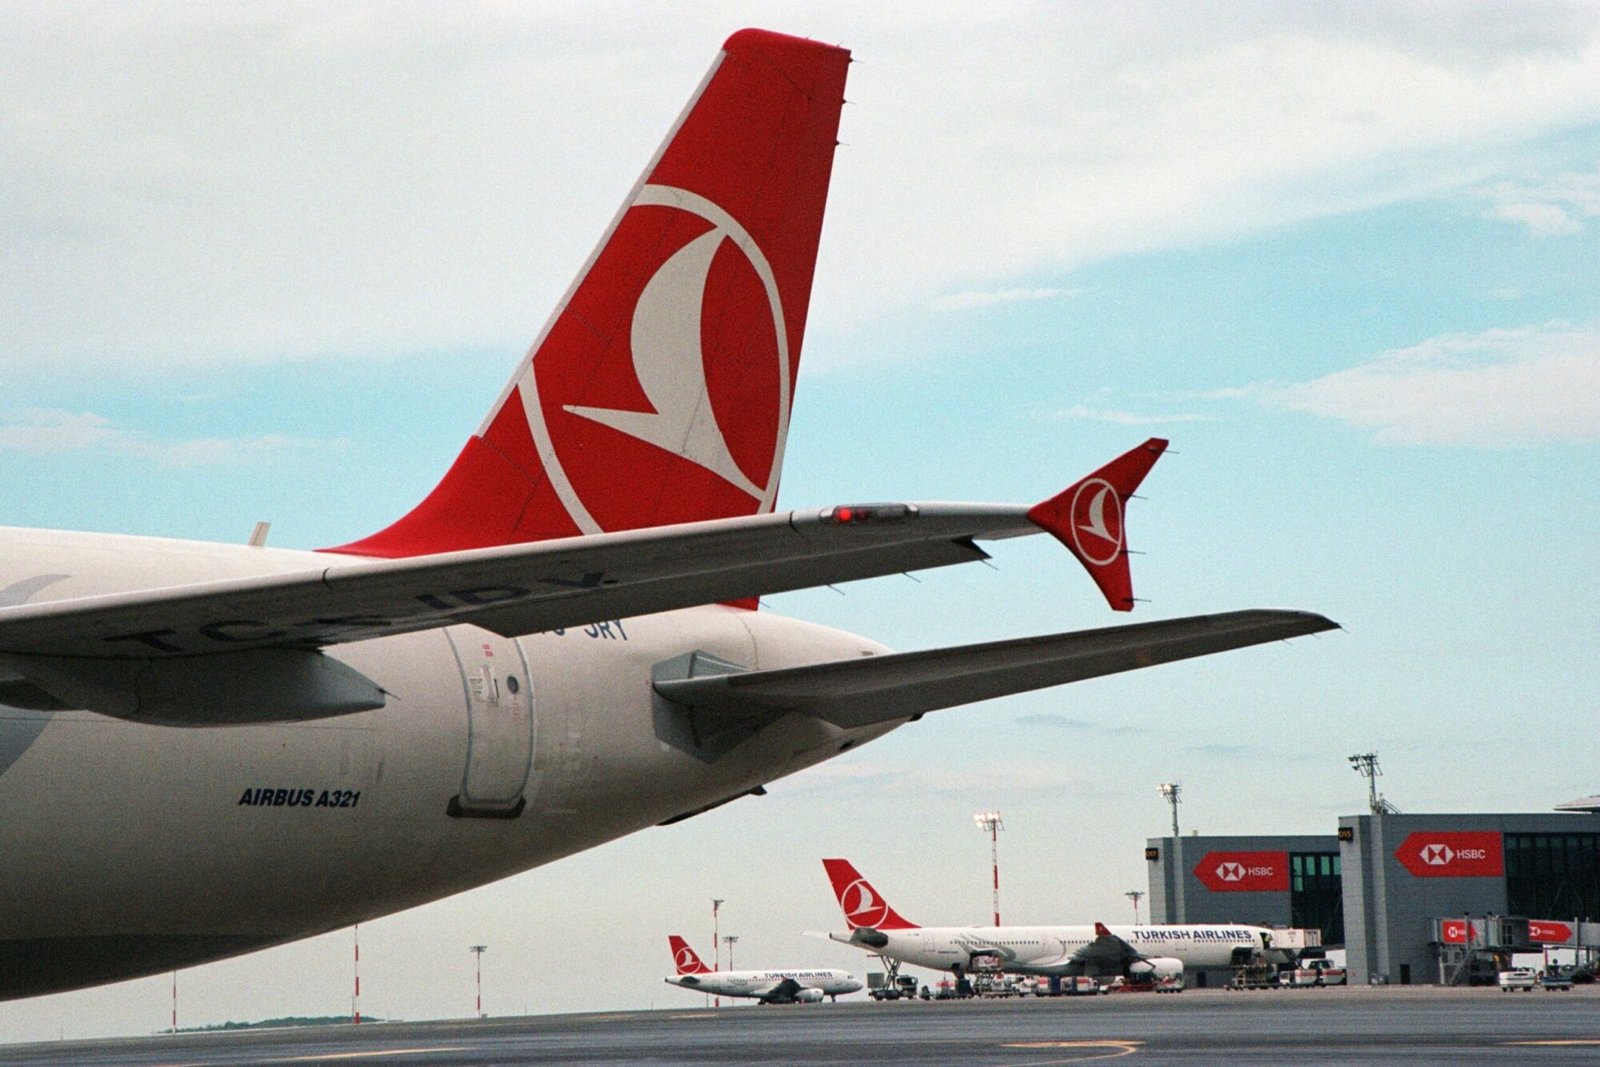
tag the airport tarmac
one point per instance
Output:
(1416, 1025)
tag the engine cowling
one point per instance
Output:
(809, 996)
(1156, 967)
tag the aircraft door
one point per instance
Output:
(500, 725)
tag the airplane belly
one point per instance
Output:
(130, 849)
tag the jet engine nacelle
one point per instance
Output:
(1156, 967)
(809, 996)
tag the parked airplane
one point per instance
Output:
(206, 749)
(769, 987)
(1098, 951)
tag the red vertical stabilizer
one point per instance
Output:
(660, 390)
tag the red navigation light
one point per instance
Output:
(844, 514)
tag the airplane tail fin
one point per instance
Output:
(1087, 517)
(685, 958)
(659, 392)
(862, 905)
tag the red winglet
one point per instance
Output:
(1087, 518)
(1101, 930)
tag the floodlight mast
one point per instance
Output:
(990, 821)
(1134, 895)
(478, 950)
(1172, 791)
(1366, 765)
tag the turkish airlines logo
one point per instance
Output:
(686, 959)
(1230, 872)
(863, 907)
(694, 363)
(1097, 521)
(1452, 854)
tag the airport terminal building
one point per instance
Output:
(1413, 899)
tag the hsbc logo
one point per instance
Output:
(1437, 855)
(1244, 872)
(1463, 854)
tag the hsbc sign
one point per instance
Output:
(1244, 872)
(1452, 854)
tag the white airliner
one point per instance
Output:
(769, 987)
(1142, 953)
(206, 749)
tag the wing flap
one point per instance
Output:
(879, 689)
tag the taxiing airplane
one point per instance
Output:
(206, 749)
(1142, 953)
(769, 987)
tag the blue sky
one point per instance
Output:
(1344, 259)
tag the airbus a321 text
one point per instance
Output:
(207, 749)
(769, 987)
(1139, 953)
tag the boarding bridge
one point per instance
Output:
(1473, 950)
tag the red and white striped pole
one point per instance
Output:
(355, 1001)
(478, 950)
(990, 821)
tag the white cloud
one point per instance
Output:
(1497, 388)
(43, 431)
(204, 184)
(1083, 412)
(1554, 207)
(975, 299)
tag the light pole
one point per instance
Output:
(731, 940)
(990, 821)
(355, 999)
(1171, 790)
(1134, 895)
(716, 947)
(477, 950)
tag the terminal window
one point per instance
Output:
(1316, 894)
(1553, 876)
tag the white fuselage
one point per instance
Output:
(1048, 950)
(129, 849)
(761, 983)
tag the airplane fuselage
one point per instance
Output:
(129, 849)
(827, 982)
(1048, 950)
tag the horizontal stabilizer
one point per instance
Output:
(879, 689)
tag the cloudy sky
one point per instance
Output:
(275, 261)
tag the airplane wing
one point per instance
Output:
(878, 689)
(566, 582)
(516, 589)
(1107, 952)
(784, 992)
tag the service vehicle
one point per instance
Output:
(1523, 978)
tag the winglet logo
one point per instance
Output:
(1097, 521)
(701, 325)
(863, 907)
(1452, 854)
